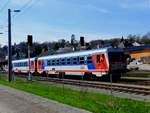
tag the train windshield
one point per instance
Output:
(116, 57)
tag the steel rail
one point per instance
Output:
(136, 89)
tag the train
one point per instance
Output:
(96, 63)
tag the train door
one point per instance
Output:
(100, 62)
(32, 66)
(35, 65)
(39, 65)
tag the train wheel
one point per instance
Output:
(115, 77)
(43, 74)
(35, 74)
(89, 76)
(61, 74)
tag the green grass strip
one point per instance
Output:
(94, 102)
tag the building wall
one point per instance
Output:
(143, 55)
(139, 54)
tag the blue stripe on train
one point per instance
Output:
(91, 66)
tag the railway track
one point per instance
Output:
(135, 80)
(119, 87)
(136, 89)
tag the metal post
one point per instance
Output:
(29, 76)
(9, 47)
(111, 83)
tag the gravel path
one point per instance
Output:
(16, 101)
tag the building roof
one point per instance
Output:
(136, 48)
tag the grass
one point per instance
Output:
(94, 102)
(137, 73)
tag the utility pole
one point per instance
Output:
(29, 76)
(9, 47)
(10, 75)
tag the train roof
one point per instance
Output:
(83, 52)
(76, 53)
(22, 60)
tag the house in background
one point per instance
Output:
(139, 53)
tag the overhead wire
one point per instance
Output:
(2, 9)
(4, 6)
(26, 7)
(23, 8)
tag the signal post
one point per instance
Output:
(29, 42)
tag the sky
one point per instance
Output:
(51, 20)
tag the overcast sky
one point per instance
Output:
(50, 20)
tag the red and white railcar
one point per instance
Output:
(87, 63)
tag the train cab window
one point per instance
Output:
(48, 62)
(82, 60)
(98, 59)
(68, 60)
(89, 59)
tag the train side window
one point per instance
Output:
(32, 63)
(89, 59)
(98, 59)
(82, 60)
(68, 60)
(53, 62)
(75, 60)
(27, 63)
(48, 62)
(63, 61)
(57, 62)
